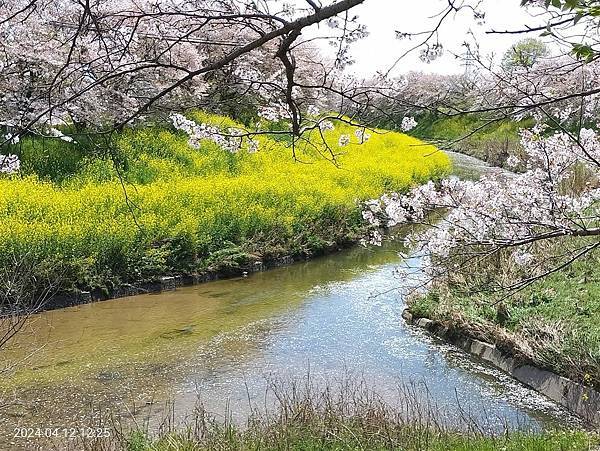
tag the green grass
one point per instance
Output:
(492, 142)
(554, 322)
(180, 210)
(350, 437)
(346, 415)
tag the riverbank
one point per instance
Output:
(221, 343)
(156, 207)
(230, 266)
(305, 415)
(577, 398)
(550, 326)
(346, 417)
(474, 135)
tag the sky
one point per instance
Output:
(383, 17)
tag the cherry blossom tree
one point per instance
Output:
(509, 229)
(110, 63)
(510, 214)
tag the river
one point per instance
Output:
(222, 342)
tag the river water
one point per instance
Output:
(223, 342)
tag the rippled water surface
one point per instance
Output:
(221, 342)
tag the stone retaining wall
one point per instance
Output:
(577, 398)
(165, 283)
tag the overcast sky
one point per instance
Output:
(383, 17)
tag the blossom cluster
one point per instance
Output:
(231, 140)
(408, 123)
(12, 138)
(326, 126)
(60, 135)
(9, 164)
(313, 110)
(275, 113)
(344, 140)
(505, 209)
(362, 135)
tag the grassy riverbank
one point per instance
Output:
(343, 416)
(552, 324)
(157, 206)
(352, 435)
(491, 141)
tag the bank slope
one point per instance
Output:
(159, 206)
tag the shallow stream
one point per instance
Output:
(222, 342)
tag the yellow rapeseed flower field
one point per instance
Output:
(180, 208)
